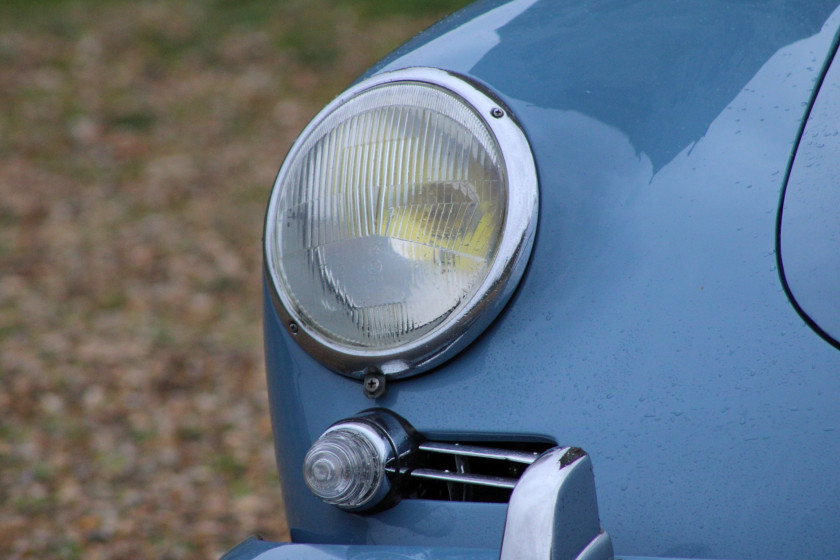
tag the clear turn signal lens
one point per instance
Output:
(345, 468)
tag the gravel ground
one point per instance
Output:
(138, 143)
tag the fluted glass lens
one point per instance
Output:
(390, 217)
(343, 468)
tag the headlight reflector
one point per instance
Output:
(392, 219)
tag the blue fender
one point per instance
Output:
(651, 327)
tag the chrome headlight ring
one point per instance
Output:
(333, 213)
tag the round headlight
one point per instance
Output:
(400, 222)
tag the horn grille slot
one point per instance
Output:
(471, 472)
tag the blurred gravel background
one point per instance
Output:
(138, 144)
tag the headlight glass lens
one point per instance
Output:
(389, 217)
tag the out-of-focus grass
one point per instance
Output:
(138, 143)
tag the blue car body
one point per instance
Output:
(653, 326)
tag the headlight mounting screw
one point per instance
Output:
(293, 328)
(497, 113)
(373, 383)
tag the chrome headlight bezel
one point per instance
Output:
(517, 237)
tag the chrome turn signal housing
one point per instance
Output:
(346, 466)
(357, 464)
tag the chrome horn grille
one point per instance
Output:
(471, 472)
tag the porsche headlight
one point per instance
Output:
(400, 222)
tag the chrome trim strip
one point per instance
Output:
(463, 478)
(480, 452)
(553, 511)
(463, 326)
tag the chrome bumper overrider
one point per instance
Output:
(553, 512)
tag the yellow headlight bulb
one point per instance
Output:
(449, 225)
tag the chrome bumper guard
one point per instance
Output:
(553, 512)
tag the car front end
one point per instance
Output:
(540, 228)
